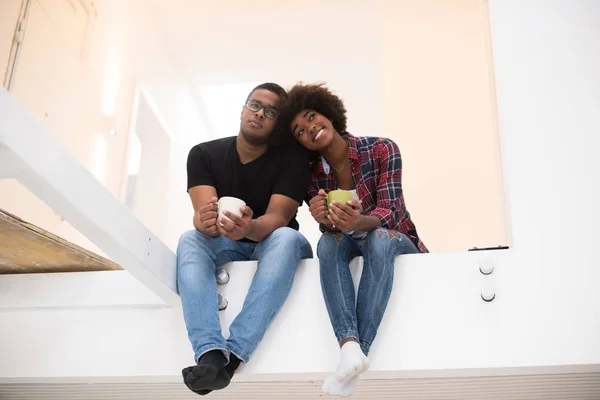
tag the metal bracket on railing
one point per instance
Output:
(222, 276)
(222, 302)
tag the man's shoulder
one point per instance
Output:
(212, 147)
(217, 144)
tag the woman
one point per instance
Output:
(375, 225)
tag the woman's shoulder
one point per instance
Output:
(374, 144)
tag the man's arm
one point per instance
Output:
(204, 200)
(279, 213)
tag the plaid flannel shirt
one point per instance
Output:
(376, 167)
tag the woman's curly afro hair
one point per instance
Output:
(314, 97)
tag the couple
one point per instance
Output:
(273, 177)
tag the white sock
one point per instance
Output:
(353, 362)
(344, 389)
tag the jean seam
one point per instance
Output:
(289, 287)
(349, 333)
(238, 352)
(206, 348)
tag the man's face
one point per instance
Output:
(256, 126)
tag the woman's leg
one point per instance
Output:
(379, 250)
(335, 252)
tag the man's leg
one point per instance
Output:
(198, 256)
(335, 250)
(379, 249)
(278, 256)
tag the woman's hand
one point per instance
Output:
(345, 217)
(318, 207)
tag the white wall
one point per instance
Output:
(419, 72)
(440, 108)
(545, 313)
(8, 21)
(79, 95)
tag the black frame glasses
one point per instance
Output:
(255, 106)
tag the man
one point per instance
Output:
(272, 181)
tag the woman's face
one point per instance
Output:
(312, 130)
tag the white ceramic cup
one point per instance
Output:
(231, 204)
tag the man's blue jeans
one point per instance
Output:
(198, 257)
(379, 249)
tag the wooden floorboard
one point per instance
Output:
(26, 249)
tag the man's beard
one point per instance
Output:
(254, 139)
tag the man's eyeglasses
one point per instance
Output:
(254, 106)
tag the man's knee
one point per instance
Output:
(286, 238)
(285, 243)
(192, 243)
(194, 238)
(187, 238)
(285, 235)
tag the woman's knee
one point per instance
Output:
(328, 244)
(389, 241)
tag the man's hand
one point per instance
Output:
(345, 217)
(238, 227)
(206, 218)
(318, 207)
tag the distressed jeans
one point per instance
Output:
(198, 257)
(359, 319)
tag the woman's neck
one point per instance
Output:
(336, 153)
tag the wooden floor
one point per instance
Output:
(26, 249)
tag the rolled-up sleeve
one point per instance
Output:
(389, 185)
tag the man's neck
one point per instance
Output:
(337, 152)
(249, 152)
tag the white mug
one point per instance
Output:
(231, 204)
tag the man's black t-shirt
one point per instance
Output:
(281, 170)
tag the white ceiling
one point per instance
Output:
(242, 43)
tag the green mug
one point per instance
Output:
(341, 196)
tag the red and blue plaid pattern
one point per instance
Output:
(377, 172)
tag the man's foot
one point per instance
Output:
(184, 373)
(209, 374)
(230, 368)
(345, 389)
(233, 365)
(353, 362)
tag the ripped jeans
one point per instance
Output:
(379, 250)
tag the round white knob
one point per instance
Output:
(488, 291)
(486, 267)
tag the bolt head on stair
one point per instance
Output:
(222, 276)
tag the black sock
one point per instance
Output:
(230, 368)
(234, 363)
(209, 374)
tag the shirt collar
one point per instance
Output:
(352, 153)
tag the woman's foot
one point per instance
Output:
(345, 389)
(353, 362)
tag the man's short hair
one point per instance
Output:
(271, 87)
